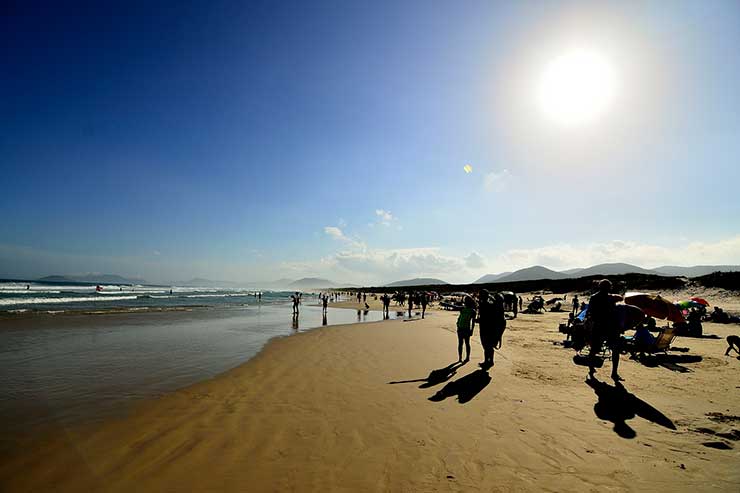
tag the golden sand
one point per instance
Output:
(318, 412)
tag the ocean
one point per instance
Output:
(69, 354)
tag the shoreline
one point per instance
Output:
(319, 411)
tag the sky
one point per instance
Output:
(251, 141)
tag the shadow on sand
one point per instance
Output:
(617, 405)
(670, 361)
(435, 376)
(464, 388)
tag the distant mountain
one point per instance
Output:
(532, 274)
(491, 278)
(419, 281)
(612, 269)
(694, 271)
(311, 283)
(93, 278)
(199, 282)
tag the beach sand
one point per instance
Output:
(347, 408)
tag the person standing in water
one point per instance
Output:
(296, 298)
(465, 326)
(324, 303)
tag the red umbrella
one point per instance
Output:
(701, 301)
(655, 305)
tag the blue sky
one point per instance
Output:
(253, 141)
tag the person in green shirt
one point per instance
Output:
(465, 325)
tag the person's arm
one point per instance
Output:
(472, 323)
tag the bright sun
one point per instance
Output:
(576, 88)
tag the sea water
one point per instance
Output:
(80, 366)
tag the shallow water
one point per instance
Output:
(73, 367)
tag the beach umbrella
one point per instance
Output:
(701, 301)
(654, 305)
(629, 316)
(689, 304)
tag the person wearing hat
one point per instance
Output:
(602, 314)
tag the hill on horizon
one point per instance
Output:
(417, 281)
(312, 282)
(606, 269)
(92, 278)
(609, 269)
(491, 277)
(532, 274)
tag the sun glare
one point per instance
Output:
(576, 88)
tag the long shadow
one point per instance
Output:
(617, 405)
(464, 388)
(435, 376)
(670, 361)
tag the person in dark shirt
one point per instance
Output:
(602, 314)
(491, 325)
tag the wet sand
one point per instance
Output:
(350, 408)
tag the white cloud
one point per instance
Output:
(475, 261)
(384, 217)
(338, 235)
(564, 255)
(497, 181)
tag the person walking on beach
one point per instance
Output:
(521, 302)
(465, 326)
(575, 305)
(491, 325)
(602, 314)
(424, 302)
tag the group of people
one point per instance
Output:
(488, 312)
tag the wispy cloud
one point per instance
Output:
(337, 234)
(384, 217)
(497, 181)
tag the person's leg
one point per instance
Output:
(615, 361)
(467, 348)
(459, 347)
(593, 350)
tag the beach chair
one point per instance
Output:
(661, 345)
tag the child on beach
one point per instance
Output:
(465, 325)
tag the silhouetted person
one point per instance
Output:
(575, 305)
(605, 327)
(491, 325)
(324, 303)
(386, 303)
(521, 303)
(259, 297)
(364, 297)
(296, 298)
(733, 343)
(424, 302)
(465, 326)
